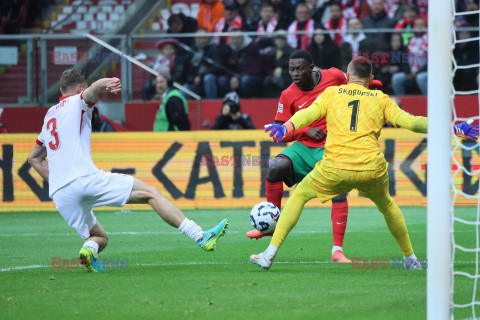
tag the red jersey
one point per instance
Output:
(294, 99)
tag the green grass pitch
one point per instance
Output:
(170, 277)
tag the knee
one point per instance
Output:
(209, 78)
(153, 192)
(398, 77)
(421, 77)
(340, 199)
(278, 169)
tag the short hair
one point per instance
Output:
(167, 79)
(266, 4)
(409, 6)
(362, 67)
(174, 18)
(301, 4)
(336, 3)
(302, 54)
(71, 78)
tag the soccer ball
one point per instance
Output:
(264, 216)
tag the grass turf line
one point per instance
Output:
(169, 277)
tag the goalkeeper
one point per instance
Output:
(352, 158)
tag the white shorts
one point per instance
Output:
(75, 200)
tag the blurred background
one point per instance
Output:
(180, 40)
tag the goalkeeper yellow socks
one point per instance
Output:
(395, 223)
(292, 211)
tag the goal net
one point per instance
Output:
(465, 205)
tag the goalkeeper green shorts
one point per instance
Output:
(302, 159)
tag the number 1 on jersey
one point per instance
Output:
(354, 105)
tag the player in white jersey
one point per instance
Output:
(76, 184)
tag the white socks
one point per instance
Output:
(335, 248)
(411, 257)
(271, 251)
(92, 245)
(191, 229)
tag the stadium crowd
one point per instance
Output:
(258, 66)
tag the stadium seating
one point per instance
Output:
(99, 16)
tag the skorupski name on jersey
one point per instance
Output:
(354, 92)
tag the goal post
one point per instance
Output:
(439, 278)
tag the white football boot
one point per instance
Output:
(261, 260)
(412, 264)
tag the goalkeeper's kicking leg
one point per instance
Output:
(292, 166)
(288, 219)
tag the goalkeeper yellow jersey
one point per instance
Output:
(355, 116)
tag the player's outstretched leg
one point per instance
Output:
(339, 224)
(278, 169)
(143, 193)
(92, 247)
(288, 219)
(398, 228)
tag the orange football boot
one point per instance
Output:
(338, 257)
(255, 234)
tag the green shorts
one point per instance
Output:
(302, 159)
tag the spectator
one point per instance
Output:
(242, 56)
(355, 44)
(324, 52)
(246, 13)
(468, 19)
(230, 21)
(168, 49)
(417, 61)
(276, 60)
(99, 124)
(179, 23)
(268, 22)
(336, 23)
(378, 19)
(406, 23)
(201, 77)
(317, 9)
(173, 109)
(466, 53)
(284, 12)
(210, 12)
(231, 117)
(163, 64)
(397, 62)
(303, 22)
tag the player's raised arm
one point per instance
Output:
(92, 93)
(38, 160)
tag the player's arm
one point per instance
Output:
(413, 123)
(300, 119)
(38, 160)
(400, 118)
(92, 93)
